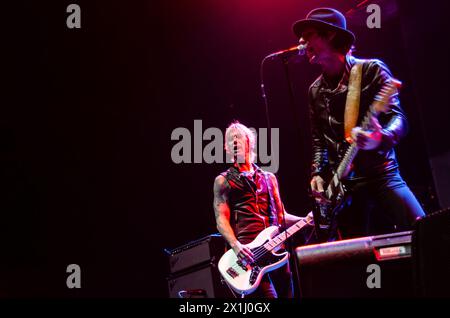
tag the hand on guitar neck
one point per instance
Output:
(368, 139)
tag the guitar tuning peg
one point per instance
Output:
(395, 82)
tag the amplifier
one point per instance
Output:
(199, 252)
(200, 282)
(432, 254)
(374, 266)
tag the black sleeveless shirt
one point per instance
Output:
(251, 207)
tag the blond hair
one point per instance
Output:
(245, 131)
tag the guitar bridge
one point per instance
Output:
(324, 227)
(254, 274)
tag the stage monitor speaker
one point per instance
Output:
(431, 249)
(376, 266)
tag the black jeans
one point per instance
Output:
(379, 205)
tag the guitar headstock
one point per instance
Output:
(381, 103)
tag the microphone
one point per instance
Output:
(295, 50)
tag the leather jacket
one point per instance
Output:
(327, 106)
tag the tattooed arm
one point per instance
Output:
(222, 212)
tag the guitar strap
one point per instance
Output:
(353, 99)
(273, 218)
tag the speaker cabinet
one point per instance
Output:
(193, 269)
(376, 266)
(203, 282)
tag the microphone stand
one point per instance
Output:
(266, 103)
(285, 56)
(285, 60)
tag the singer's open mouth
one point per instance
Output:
(310, 53)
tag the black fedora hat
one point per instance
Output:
(328, 18)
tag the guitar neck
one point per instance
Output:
(283, 236)
(344, 167)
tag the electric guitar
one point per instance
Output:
(245, 278)
(335, 192)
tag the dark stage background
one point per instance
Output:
(87, 175)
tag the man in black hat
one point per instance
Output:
(381, 202)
